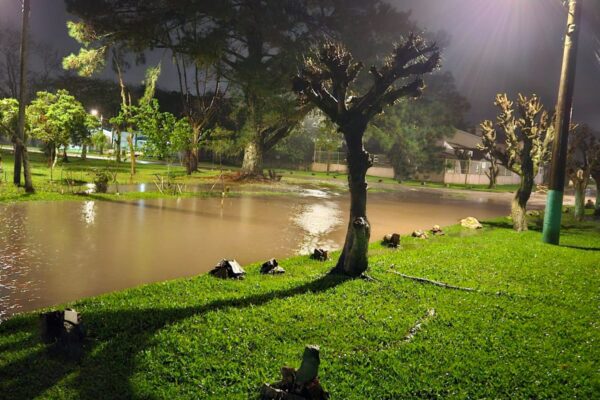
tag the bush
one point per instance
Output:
(101, 177)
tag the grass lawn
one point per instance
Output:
(531, 330)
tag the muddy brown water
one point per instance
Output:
(54, 252)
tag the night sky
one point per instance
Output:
(496, 45)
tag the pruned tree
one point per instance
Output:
(583, 156)
(493, 170)
(526, 145)
(325, 80)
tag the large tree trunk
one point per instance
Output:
(21, 156)
(354, 258)
(519, 203)
(253, 158)
(579, 199)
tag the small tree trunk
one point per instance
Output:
(191, 161)
(27, 171)
(519, 203)
(131, 152)
(579, 199)
(493, 176)
(253, 158)
(84, 152)
(64, 156)
(118, 149)
(354, 258)
(101, 149)
(17, 165)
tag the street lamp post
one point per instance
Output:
(553, 214)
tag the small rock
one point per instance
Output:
(228, 269)
(392, 240)
(271, 267)
(420, 234)
(320, 255)
(437, 230)
(471, 223)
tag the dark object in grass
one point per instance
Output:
(392, 240)
(380, 180)
(63, 328)
(437, 231)
(271, 267)
(320, 255)
(228, 269)
(302, 384)
(590, 205)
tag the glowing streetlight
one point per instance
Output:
(564, 106)
(94, 112)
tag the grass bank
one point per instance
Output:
(529, 331)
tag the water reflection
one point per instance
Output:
(88, 212)
(317, 221)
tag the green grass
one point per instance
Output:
(462, 186)
(530, 331)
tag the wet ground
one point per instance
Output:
(53, 252)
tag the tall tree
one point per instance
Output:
(19, 138)
(325, 80)
(528, 137)
(583, 156)
(254, 43)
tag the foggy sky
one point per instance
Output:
(495, 45)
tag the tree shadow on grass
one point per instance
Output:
(115, 338)
(581, 248)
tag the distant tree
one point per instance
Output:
(9, 115)
(529, 135)
(410, 132)
(157, 126)
(583, 156)
(325, 80)
(43, 69)
(100, 141)
(58, 119)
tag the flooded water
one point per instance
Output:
(53, 252)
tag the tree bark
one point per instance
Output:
(17, 165)
(65, 156)
(253, 158)
(84, 152)
(596, 177)
(191, 164)
(118, 149)
(354, 258)
(519, 203)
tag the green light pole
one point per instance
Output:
(553, 214)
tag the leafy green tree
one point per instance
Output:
(528, 132)
(58, 119)
(325, 79)
(583, 156)
(157, 126)
(100, 141)
(9, 114)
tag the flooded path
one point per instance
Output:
(53, 252)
